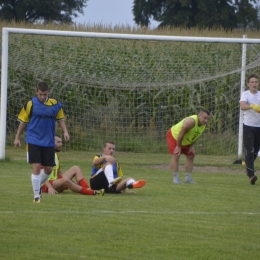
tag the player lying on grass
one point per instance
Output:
(59, 181)
(180, 139)
(107, 173)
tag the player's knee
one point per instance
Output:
(105, 165)
(48, 170)
(75, 168)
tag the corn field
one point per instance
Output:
(131, 91)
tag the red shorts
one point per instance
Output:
(45, 188)
(172, 143)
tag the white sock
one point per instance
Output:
(36, 185)
(43, 177)
(109, 174)
(176, 175)
(188, 176)
(129, 182)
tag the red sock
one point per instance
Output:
(84, 191)
(83, 183)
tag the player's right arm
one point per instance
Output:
(23, 118)
(245, 106)
(20, 129)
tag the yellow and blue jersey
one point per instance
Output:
(55, 170)
(117, 171)
(41, 119)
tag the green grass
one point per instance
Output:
(217, 218)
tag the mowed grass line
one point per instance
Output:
(217, 218)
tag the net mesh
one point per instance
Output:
(131, 91)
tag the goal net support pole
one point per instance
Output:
(4, 69)
(242, 89)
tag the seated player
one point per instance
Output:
(107, 174)
(59, 181)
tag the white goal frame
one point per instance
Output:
(4, 69)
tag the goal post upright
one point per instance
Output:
(3, 97)
(7, 31)
(242, 89)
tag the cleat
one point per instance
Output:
(116, 180)
(100, 192)
(177, 181)
(37, 200)
(190, 181)
(137, 184)
(253, 180)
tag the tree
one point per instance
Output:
(47, 10)
(199, 13)
(247, 14)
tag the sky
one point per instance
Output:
(109, 12)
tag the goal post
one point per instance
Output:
(128, 87)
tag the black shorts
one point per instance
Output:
(100, 182)
(43, 155)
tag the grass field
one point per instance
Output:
(217, 218)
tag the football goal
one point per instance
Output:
(129, 88)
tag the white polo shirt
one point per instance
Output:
(251, 118)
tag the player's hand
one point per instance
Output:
(255, 107)
(66, 136)
(110, 159)
(52, 191)
(17, 143)
(177, 151)
(191, 151)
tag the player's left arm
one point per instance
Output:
(51, 190)
(61, 122)
(64, 129)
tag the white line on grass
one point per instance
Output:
(136, 212)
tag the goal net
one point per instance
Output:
(131, 90)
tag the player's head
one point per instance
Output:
(58, 143)
(203, 117)
(252, 83)
(252, 76)
(109, 148)
(42, 91)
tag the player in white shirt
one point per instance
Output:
(250, 104)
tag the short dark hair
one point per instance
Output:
(107, 142)
(205, 111)
(43, 86)
(57, 135)
(251, 76)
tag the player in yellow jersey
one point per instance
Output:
(180, 139)
(59, 181)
